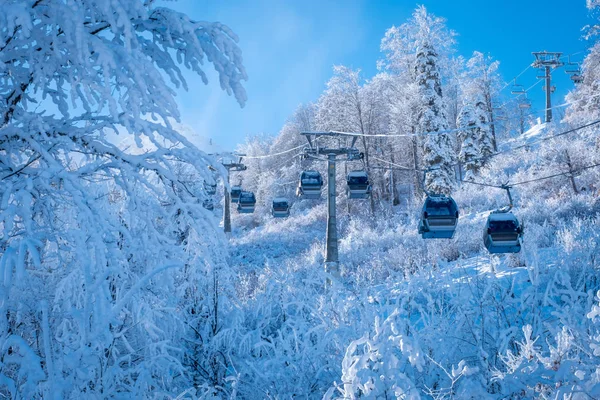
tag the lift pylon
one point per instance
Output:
(350, 153)
(547, 61)
(232, 162)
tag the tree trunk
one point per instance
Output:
(488, 100)
(571, 177)
(393, 188)
(418, 182)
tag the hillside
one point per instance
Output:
(440, 317)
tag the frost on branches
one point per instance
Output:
(383, 366)
(475, 138)
(481, 85)
(108, 259)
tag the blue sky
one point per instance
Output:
(290, 47)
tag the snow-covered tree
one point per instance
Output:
(114, 243)
(400, 44)
(486, 137)
(348, 106)
(381, 366)
(584, 100)
(474, 138)
(482, 84)
(339, 108)
(438, 148)
(469, 141)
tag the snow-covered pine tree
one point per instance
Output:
(486, 138)
(400, 44)
(469, 141)
(438, 148)
(482, 82)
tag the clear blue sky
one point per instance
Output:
(290, 46)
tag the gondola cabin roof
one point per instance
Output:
(438, 203)
(247, 196)
(311, 172)
(357, 174)
(310, 178)
(502, 216)
(280, 200)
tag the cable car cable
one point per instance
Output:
(532, 180)
(556, 175)
(509, 83)
(548, 137)
(276, 154)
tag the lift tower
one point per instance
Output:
(547, 61)
(351, 153)
(230, 164)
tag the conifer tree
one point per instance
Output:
(469, 141)
(438, 147)
(485, 136)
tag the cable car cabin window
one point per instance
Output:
(504, 231)
(280, 206)
(247, 198)
(357, 180)
(503, 227)
(311, 178)
(440, 209)
(311, 181)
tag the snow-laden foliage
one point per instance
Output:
(109, 262)
(585, 99)
(414, 318)
(469, 141)
(384, 365)
(438, 147)
(400, 43)
(481, 84)
(117, 283)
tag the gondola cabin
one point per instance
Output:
(358, 185)
(310, 185)
(246, 203)
(577, 78)
(281, 208)
(210, 188)
(439, 217)
(235, 193)
(208, 204)
(502, 233)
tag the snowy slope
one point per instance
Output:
(454, 306)
(533, 134)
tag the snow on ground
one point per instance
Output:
(452, 300)
(533, 134)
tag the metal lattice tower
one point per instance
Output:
(547, 61)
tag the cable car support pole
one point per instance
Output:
(510, 199)
(351, 153)
(546, 62)
(230, 166)
(331, 258)
(226, 209)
